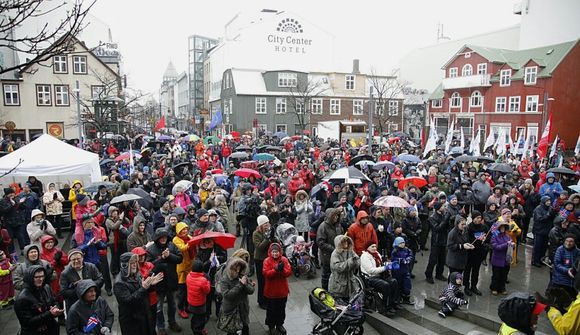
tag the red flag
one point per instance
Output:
(543, 143)
(160, 124)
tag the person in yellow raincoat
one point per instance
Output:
(513, 231)
(183, 268)
(76, 188)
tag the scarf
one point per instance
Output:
(377, 257)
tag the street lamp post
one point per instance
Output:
(78, 94)
(370, 125)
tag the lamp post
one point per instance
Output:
(370, 123)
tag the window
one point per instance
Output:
(393, 107)
(532, 134)
(61, 95)
(80, 64)
(455, 100)
(453, 72)
(334, 106)
(286, 79)
(260, 105)
(467, 70)
(316, 106)
(379, 108)
(59, 64)
(467, 55)
(280, 105)
(436, 103)
(532, 103)
(500, 104)
(505, 77)
(262, 129)
(299, 106)
(514, 104)
(43, 97)
(357, 107)
(97, 92)
(281, 128)
(482, 68)
(349, 81)
(228, 106)
(531, 74)
(11, 95)
(475, 100)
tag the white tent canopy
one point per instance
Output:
(48, 156)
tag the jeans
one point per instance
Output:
(436, 260)
(540, 247)
(171, 308)
(260, 277)
(18, 232)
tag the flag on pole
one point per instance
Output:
(432, 141)
(500, 143)
(554, 148)
(160, 124)
(475, 143)
(512, 146)
(519, 143)
(216, 120)
(131, 161)
(462, 141)
(489, 141)
(449, 138)
(545, 139)
(526, 147)
(577, 149)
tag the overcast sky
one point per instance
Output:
(378, 32)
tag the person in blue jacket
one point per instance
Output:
(404, 257)
(564, 273)
(551, 188)
(92, 243)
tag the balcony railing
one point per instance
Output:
(478, 80)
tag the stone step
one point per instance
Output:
(396, 325)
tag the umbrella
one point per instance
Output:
(484, 159)
(575, 188)
(164, 138)
(280, 134)
(359, 158)
(347, 175)
(137, 136)
(323, 186)
(384, 164)
(264, 157)
(144, 150)
(409, 158)
(235, 134)
(219, 178)
(213, 139)
(125, 197)
(125, 156)
(287, 138)
(501, 167)
(465, 158)
(391, 201)
(217, 171)
(239, 155)
(106, 161)
(246, 173)
(181, 165)
(144, 200)
(273, 148)
(365, 163)
(456, 151)
(153, 144)
(223, 240)
(190, 138)
(249, 164)
(399, 134)
(417, 181)
(113, 137)
(242, 148)
(95, 186)
(184, 184)
(562, 170)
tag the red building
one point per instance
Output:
(486, 89)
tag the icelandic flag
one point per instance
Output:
(215, 120)
(91, 324)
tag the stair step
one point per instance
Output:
(396, 325)
(451, 325)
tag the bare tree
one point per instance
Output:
(385, 89)
(50, 40)
(300, 99)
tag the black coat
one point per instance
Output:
(169, 264)
(543, 220)
(69, 276)
(456, 255)
(440, 229)
(80, 312)
(11, 216)
(134, 312)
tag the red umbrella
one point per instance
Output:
(223, 240)
(246, 173)
(392, 140)
(235, 134)
(217, 171)
(249, 164)
(417, 181)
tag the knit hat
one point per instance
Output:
(263, 219)
(544, 199)
(451, 197)
(74, 251)
(202, 212)
(275, 246)
(411, 209)
(398, 241)
(438, 205)
(368, 244)
(8, 190)
(82, 199)
(475, 214)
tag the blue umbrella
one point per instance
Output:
(264, 157)
(409, 158)
(280, 134)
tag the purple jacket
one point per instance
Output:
(499, 245)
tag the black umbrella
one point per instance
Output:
(501, 167)
(273, 148)
(484, 159)
(562, 170)
(106, 161)
(181, 165)
(153, 144)
(359, 158)
(465, 158)
(146, 201)
(242, 148)
(239, 155)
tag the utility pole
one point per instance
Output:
(370, 122)
(78, 91)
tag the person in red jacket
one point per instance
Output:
(198, 287)
(100, 219)
(307, 176)
(276, 270)
(361, 232)
(295, 184)
(272, 188)
(226, 152)
(203, 165)
(292, 163)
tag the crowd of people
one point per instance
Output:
(464, 211)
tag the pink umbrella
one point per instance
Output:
(391, 201)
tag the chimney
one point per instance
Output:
(355, 69)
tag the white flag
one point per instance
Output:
(449, 138)
(512, 146)
(526, 147)
(554, 147)
(500, 143)
(489, 141)
(519, 143)
(432, 140)
(577, 149)
(462, 139)
(475, 143)
(131, 161)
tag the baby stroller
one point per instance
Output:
(337, 319)
(296, 250)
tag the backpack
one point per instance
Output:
(219, 273)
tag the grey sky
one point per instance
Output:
(378, 32)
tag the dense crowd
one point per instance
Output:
(354, 212)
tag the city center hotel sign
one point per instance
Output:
(288, 37)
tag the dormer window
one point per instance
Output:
(530, 75)
(287, 79)
(467, 70)
(505, 77)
